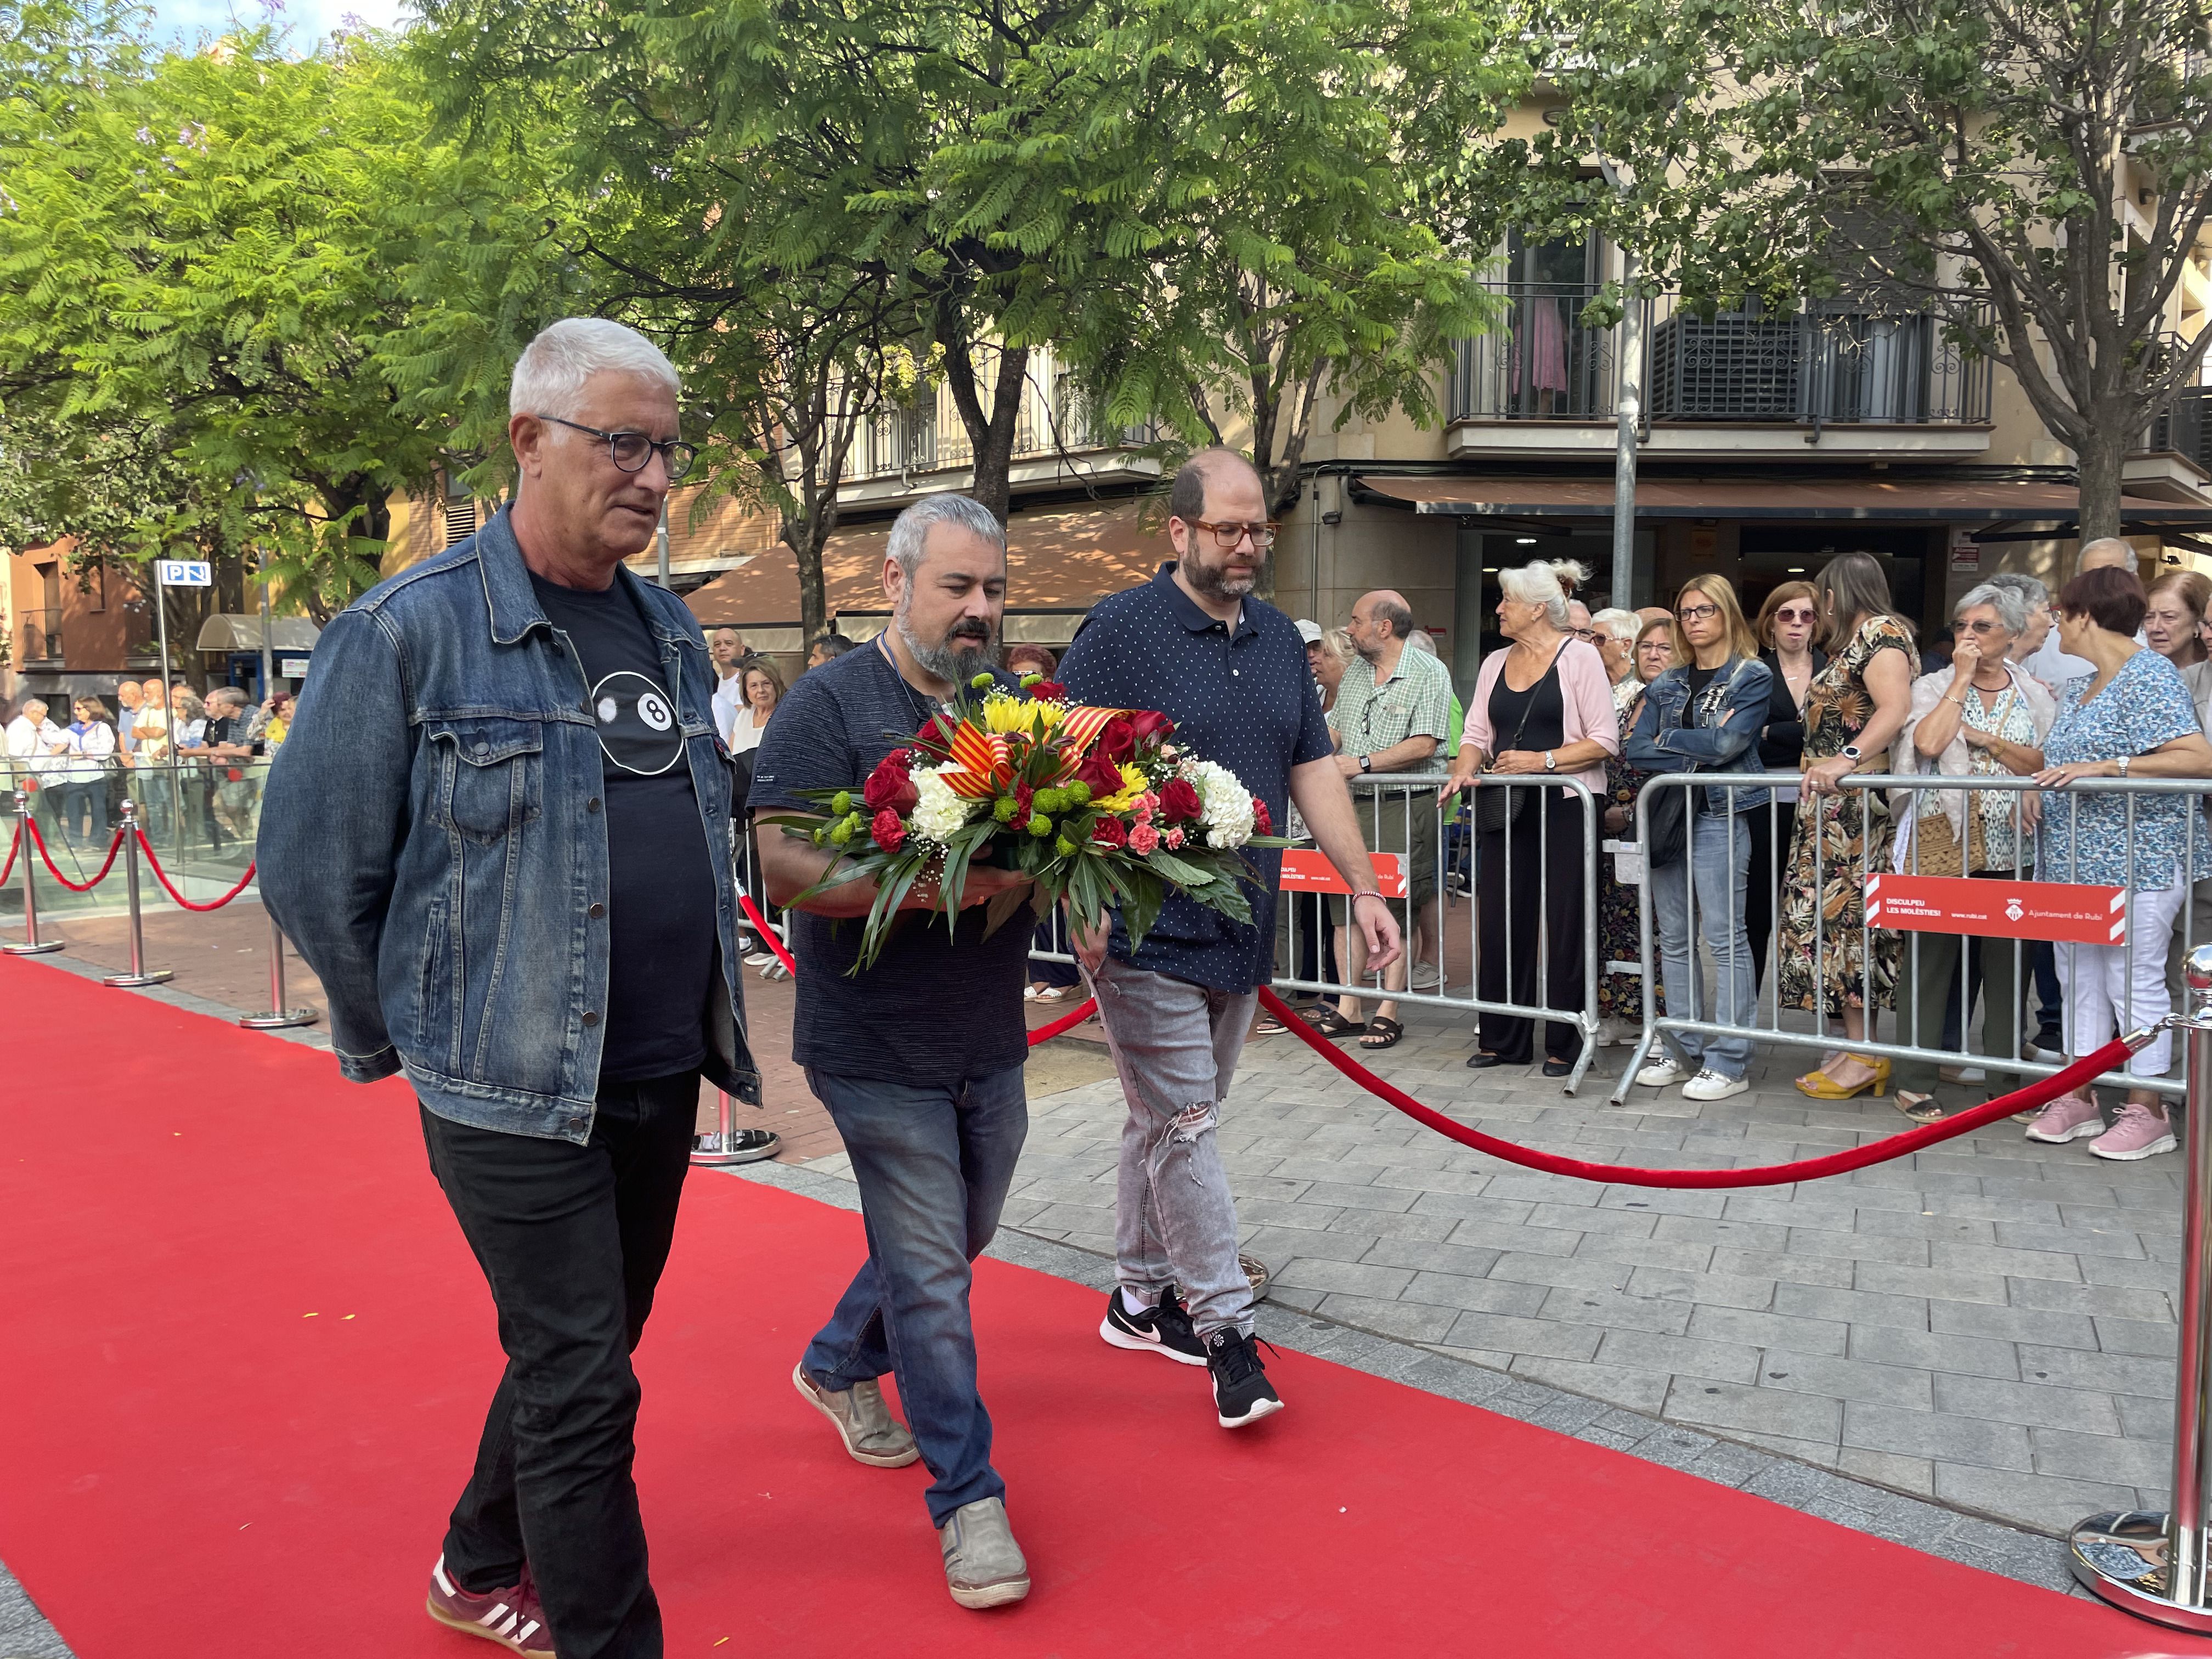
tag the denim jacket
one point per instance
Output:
(1731, 713)
(432, 842)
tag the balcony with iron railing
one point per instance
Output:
(1806, 371)
(38, 638)
(1056, 440)
(2182, 426)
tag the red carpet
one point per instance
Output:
(191, 1465)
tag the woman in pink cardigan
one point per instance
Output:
(1544, 706)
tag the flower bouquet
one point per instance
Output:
(1099, 806)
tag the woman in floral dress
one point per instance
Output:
(1858, 704)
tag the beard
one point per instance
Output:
(966, 651)
(1215, 582)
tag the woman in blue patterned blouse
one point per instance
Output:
(2132, 718)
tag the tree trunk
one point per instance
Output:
(806, 537)
(992, 441)
(2100, 461)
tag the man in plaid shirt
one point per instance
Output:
(1392, 714)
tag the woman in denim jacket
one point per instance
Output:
(1704, 715)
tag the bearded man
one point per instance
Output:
(917, 1057)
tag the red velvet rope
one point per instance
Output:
(1075, 1017)
(1856, 1158)
(15, 842)
(168, 887)
(39, 842)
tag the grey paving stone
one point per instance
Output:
(2036, 1405)
(1318, 1274)
(2012, 1324)
(1477, 1233)
(1643, 1252)
(1743, 1408)
(2111, 1301)
(1561, 1270)
(1641, 1391)
(1617, 1312)
(1762, 1330)
(2108, 1373)
(1916, 1475)
(1823, 1272)
(1685, 1357)
(1410, 1321)
(1942, 1436)
(1286, 1212)
(1585, 1218)
(1478, 1295)
(1504, 1334)
(1717, 1290)
(1853, 1307)
(1361, 1198)
(1889, 1278)
(2112, 1459)
(1390, 1251)
(2084, 1240)
(1970, 1356)
(1846, 1379)
(1821, 1242)
(1282, 1243)
(1432, 1181)
(2037, 1500)
(2151, 1275)
(2137, 1336)
(1383, 1223)
(1719, 1231)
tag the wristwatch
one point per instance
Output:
(1851, 752)
(1551, 762)
(2125, 759)
(1367, 762)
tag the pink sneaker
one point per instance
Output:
(2134, 1133)
(2067, 1118)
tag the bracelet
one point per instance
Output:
(1369, 892)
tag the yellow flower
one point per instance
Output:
(1134, 784)
(1004, 715)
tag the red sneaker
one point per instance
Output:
(510, 1618)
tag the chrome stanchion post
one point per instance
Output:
(138, 974)
(727, 1144)
(2148, 1563)
(278, 1016)
(26, 854)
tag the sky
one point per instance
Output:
(186, 20)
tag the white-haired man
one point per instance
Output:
(919, 1057)
(500, 832)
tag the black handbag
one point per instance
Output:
(1667, 828)
(1494, 809)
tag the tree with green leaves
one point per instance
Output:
(2037, 173)
(1305, 191)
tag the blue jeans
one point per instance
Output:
(1716, 870)
(934, 1163)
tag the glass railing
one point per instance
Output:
(201, 817)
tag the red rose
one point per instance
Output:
(1101, 774)
(1179, 802)
(1262, 822)
(1110, 832)
(1044, 690)
(936, 734)
(1022, 796)
(1117, 740)
(888, 789)
(888, 830)
(1150, 728)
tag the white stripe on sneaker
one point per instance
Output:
(525, 1632)
(492, 1618)
(438, 1572)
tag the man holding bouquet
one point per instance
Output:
(917, 1055)
(1230, 672)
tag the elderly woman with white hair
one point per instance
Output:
(1984, 715)
(1541, 709)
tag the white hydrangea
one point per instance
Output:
(1228, 803)
(939, 812)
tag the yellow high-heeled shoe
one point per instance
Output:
(1819, 1086)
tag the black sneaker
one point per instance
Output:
(1241, 1394)
(1165, 1329)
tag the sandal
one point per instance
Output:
(1269, 1026)
(1921, 1109)
(1332, 1024)
(1385, 1028)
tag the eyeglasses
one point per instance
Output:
(1590, 634)
(1227, 537)
(630, 451)
(1697, 613)
(1794, 616)
(1982, 627)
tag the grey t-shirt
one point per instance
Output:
(936, 1008)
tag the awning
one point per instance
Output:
(1063, 561)
(229, 632)
(1918, 501)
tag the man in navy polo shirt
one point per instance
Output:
(1230, 672)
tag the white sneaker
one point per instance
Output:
(760, 958)
(1661, 1071)
(1613, 1033)
(1427, 977)
(1710, 1085)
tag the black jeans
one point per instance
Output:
(1769, 861)
(1538, 902)
(572, 1240)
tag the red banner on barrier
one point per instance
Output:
(1307, 870)
(2062, 913)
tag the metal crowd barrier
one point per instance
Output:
(2031, 817)
(1398, 812)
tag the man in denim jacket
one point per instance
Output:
(500, 833)
(1704, 715)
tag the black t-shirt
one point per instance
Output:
(1700, 678)
(935, 1009)
(227, 728)
(660, 878)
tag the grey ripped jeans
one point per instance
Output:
(1176, 1046)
